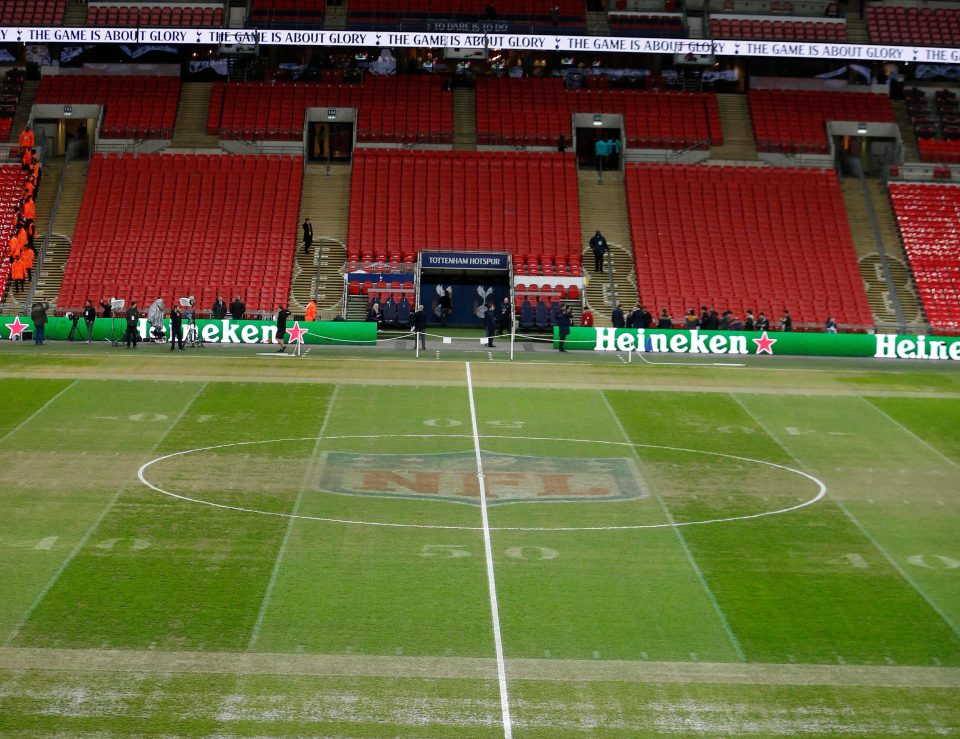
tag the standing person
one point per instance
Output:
(89, 318)
(237, 309)
(27, 140)
(490, 320)
(176, 327)
(750, 323)
(133, 317)
(282, 315)
(691, 321)
(106, 309)
(307, 235)
(17, 273)
(786, 322)
(310, 314)
(600, 151)
(586, 318)
(420, 325)
(665, 320)
(219, 309)
(600, 247)
(563, 326)
(831, 325)
(616, 318)
(504, 317)
(39, 317)
(446, 304)
(763, 323)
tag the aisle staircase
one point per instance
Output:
(910, 151)
(464, 119)
(51, 271)
(28, 96)
(738, 140)
(871, 265)
(604, 207)
(325, 200)
(190, 129)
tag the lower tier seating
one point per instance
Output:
(929, 221)
(168, 226)
(405, 201)
(405, 109)
(794, 121)
(535, 112)
(134, 107)
(739, 238)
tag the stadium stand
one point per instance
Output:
(535, 12)
(144, 16)
(539, 110)
(793, 121)
(401, 109)
(134, 107)
(935, 150)
(32, 12)
(164, 225)
(403, 201)
(11, 187)
(665, 25)
(928, 216)
(928, 25)
(740, 238)
(777, 29)
(292, 12)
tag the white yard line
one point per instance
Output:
(94, 526)
(37, 412)
(903, 573)
(683, 543)
(265, 603)
(491, 581)
(910, 433)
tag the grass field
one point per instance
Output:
(360, 544)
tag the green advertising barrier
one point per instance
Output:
(211, 332)
(678, 341)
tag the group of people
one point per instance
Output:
(220, 309)
(21, 244)
(708, 320)
(390, 313)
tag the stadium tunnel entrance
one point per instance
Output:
(454, 286)
(862, 149)
(330, 134)
(598, 140)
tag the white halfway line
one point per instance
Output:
(491, 582)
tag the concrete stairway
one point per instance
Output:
(190, 129)
(738, 140)
(48, 193)
(335, 18)
(910, 151)
(856, 29)
(325, 200)
(464, 119)
(27, 98)
(76, 14)
(604, 207)
(597, 24)
(871, 266)
(51, 272)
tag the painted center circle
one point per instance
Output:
(554, 485)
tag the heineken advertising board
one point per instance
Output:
(226, 331)
(676, 341)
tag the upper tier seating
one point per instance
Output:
(289, 12)
(134, 107)
(739, 238)
(531, 12)
(794, 121)
(11, 187)
(163, 225)
(935, 150)
(777, 29)
(926, 26)
(534, 112)
(929, 220)
(403, 109)
(404, 201)
(154, 16)
(32, 12)
(642, 24)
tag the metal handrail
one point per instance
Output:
(31, 292)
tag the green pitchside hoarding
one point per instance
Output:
(676, 341)
(212, 332)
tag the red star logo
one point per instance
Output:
(764, 343)
(17, 327)
(296, 333)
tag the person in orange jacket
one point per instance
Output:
(311, 313)
(26, 257)
(27, 139)
(17, 273)
(14, 246)
(31, 229)
(29, 209)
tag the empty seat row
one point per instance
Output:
(642, 24)
(935, 150)
(777, 30)
(32, 12)
(785, 245)
(163, 225)
(146, 16)
(926, 26)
